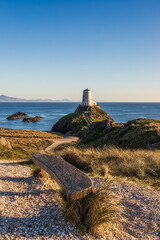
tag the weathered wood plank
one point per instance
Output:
(74, 182)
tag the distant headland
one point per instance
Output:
(4, 98)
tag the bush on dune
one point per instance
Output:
(141, 164)
(84, 160)
(93, 211)
(137, 163)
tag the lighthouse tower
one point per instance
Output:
(87, 102)
(87, 98)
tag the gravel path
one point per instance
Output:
(87, 119)
(141, 210)
(31, 209)
(61, 141)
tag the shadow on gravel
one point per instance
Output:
(9, 163)
(24, 194)
(48, 223)
(18, 179)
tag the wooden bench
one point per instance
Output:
(73, 182)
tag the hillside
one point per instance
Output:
(139, 133)
(21, 144)
(95, 128)
(78, 122)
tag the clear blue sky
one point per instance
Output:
(56, 48)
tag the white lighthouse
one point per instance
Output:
(87, 98)
(87, 102)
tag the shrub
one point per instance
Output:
(141, 164)
(84, 159)
(75, 159)
(92, 211)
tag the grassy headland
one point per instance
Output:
(24, 143)
(78, 122)
(140, 133)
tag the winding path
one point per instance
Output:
(60, 141)
(87, 119)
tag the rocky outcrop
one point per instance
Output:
(32, 119)
(17, 116)
(64, 126)
(97, 130)
(5, 142)
(79, 122)
(139, 133)
(82, 108)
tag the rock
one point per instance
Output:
(5, 142)
(103, 125)
(81, 120)
(32, 119)
(17, 116)
(64, 126)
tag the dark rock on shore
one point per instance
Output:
(17, 116)
(32, 119)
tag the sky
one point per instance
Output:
(56, 48)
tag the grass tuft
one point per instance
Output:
(37, 172)
(93, 211)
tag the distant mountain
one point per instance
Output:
(4, 98)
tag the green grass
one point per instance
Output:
(76, 123)
(140, 133)
(97, 115)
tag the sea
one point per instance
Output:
(53, 111)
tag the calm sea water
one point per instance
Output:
(52, 112)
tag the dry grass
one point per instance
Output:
(93, 211)
(24, 143)
(84, 160)
(141, 164)
(11, 133)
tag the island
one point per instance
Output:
(17, 116)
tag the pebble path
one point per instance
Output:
(30, 208)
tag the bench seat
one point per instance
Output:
(75, 183)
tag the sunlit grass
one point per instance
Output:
(24, 143)
(140, 164)
(93, 211)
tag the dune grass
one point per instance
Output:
(140, 164)
(24, 143)
(92, 212)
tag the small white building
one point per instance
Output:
(87, 98)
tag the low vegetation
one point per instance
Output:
(93, 211)
(78, 122)
(140, 133)
(140, 164)
(24, 143)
